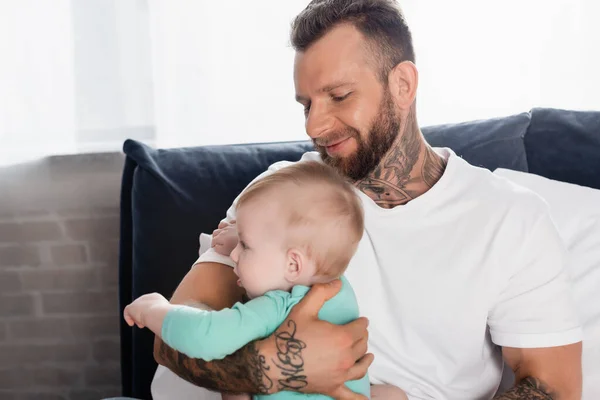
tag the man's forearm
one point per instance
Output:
(245, 371)
(529, 389)
(210, 286)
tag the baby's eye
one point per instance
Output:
(243, 245)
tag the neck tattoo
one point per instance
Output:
(409, 169)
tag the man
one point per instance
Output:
(458, 270)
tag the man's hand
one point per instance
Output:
(225, 238)
(312, 356)
(552, 373)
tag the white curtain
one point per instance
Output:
(81, 75)
(75, 76)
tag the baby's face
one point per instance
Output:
(260, 254)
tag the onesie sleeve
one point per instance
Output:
(211, 335)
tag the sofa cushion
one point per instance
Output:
(492, 143)
(565, 146)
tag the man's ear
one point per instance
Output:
(295, 263)
(403, 81)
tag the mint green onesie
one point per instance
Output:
(213, 335)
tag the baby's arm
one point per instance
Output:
(387, 392)
(149, 311)
(208, 335)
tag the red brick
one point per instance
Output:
(93, 228)
(106, 350)
(39, 328)
(59, 278)
(101, 376)
(16, 256)
(16, 305)
(14, 378)
(32, 231)
(20, 354)
(68, 254)
(106, 252)
(109, 276)
(95, 327)
(80, 302)
(56, 376)
(9, 281)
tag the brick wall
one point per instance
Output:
(58, 278)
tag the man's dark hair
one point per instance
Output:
(380, 21)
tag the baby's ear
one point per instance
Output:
(294, 265)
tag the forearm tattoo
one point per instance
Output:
(529, 389)
(289, 358)
(245, 371)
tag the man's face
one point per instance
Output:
(350, 114)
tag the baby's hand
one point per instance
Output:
(387, 392)
(137, 312)
(225, 238)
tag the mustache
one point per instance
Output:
(335, 137)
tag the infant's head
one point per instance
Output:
(298, 226)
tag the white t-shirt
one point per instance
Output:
(473, 264)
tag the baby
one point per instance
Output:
(299, 226)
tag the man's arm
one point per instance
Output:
(327, 359)
(214, 285)
(552, 373)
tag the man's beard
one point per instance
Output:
(384, 131)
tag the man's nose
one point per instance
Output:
(319, 121)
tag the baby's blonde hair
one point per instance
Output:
(327, 222)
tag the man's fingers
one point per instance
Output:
(360, 348)
(318, 295)
(358, 329)
(359, 369)
(343, 393)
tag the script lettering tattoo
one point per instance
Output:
(289, 358)
(529, 389)
(245, 371)
(259, 367)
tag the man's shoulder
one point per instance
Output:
(499, 195)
